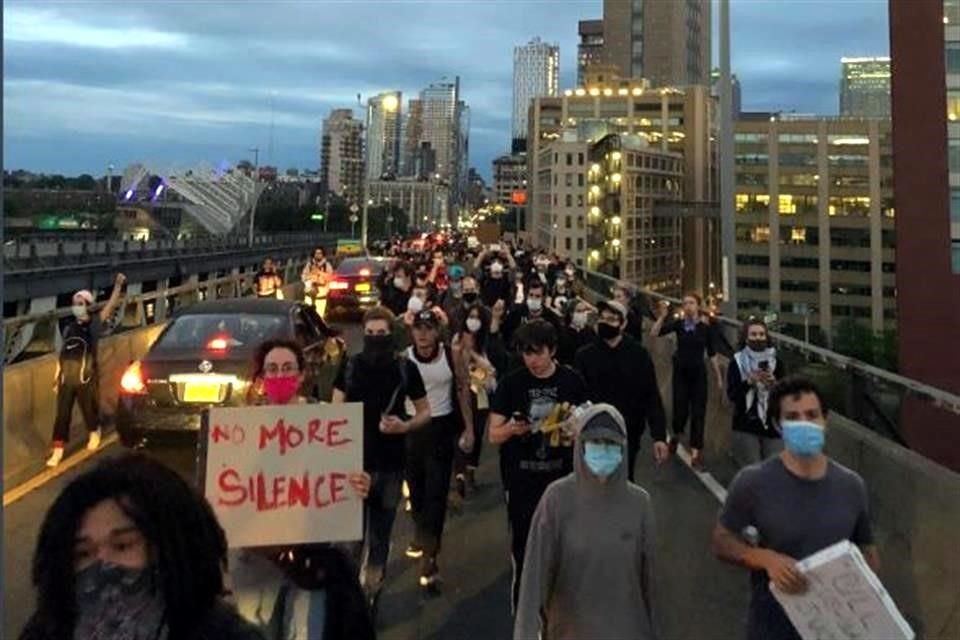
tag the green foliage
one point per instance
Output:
(856, 340)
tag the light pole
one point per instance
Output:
(256, 193)
(727, 178)
(353, 220)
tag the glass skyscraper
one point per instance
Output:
(536, 73)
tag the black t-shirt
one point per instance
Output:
(376, 387)
(394, 299)
(693, 340)
(529, 462)
(78, 357)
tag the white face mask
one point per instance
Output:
(399, 282)
(473, 325)
(80, 311)
(496, 269)
(414, 304)
(535, 304)
(561, 283)
(570, 271)
(579, 319)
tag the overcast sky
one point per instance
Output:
(88, 83)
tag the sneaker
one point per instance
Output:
(407, 506)
(414, 551)
(471, 479)
(696, 461)
(460, 485)
(93, 443)
(55, 458)
(430, 575)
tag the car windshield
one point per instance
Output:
(239, 330)
(353, 266)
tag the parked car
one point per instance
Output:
(204, 359)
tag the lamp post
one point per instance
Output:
(727, 177)
(256, 192)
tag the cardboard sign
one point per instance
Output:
(279, 475)
(844, 601)
(488, 233)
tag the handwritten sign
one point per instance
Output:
(279, 475)
(845, 600)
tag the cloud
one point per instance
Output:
(142, 80)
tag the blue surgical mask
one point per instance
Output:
(602, 459)
(804, 439)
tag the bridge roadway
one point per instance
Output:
(698, 597)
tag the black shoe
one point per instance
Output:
(373, 603)
(674, 444)
(471, 479)
(414, 551)
(430, 576)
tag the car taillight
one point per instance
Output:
(219, 343)
(365, 273)
(132, 382)
(338, 285)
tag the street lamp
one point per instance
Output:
(353, 221)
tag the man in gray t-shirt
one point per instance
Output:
(798, 502)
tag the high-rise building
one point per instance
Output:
(510, 185)
(815, 236)
(673, 120)
(865, 87)
(590, 49)
(536, 72)
(341, 156)
(440, 123)
(735, 83)
(665, 42)
(410, 132)
(925, 107)
(384, 121)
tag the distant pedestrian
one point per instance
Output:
(77, 377)
(753, 371)
(129, 551)
(268, 282)
(588, 569)
(695, 343)
(797, 503)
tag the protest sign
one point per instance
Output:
(844, 601)
(279, 475)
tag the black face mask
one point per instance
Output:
(377, 349)
(757, 345)
(607, 331)
(470, 296)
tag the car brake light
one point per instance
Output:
(219, 343)
(338, 285)
(132, 381)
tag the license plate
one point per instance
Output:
(201, 392)
(363, 287)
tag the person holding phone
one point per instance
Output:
(753, 371)
(526, 399)
(382, 381)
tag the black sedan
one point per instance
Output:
(354, 285)
(204, 358)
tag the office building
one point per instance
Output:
(815, 222)
(341, 156)
(384, 121)
(590, 49)
(424, 201)
(437, 134)
(925, 105)
(667, 43)
(672, 120)
(865, 87)
(510, 185)
(536, 72)
(410, 132)
(735, 83)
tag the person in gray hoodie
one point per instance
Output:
(589, 560)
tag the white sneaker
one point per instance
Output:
(94, 442)
(55, 458)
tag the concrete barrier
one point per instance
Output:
(914, 503)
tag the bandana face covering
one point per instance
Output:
(117, 603)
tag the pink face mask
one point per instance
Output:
(281, 390)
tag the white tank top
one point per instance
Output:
(438, 381)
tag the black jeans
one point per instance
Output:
(521, 505)
(380, 511)
(690, 401)
(429, 466)
(464, 460)
(86, 396)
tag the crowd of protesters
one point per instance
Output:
(472, 344)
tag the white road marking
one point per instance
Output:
(69, 463)
(706, 478)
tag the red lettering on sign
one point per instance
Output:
(333, 433)
(299, 494)
(337, 483)
(229, 483)
(318, 488)
(279, 491)
(219, 433)
(294, 437)
(278, 432)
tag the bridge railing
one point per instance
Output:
(36, 334)
(889, 404)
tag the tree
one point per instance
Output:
(856, 340)
(86, 182)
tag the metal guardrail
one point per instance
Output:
(862, 392)
(36, 334)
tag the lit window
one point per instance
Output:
(798, 235)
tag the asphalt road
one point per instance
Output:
(697, 596)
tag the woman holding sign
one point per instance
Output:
(304, 592)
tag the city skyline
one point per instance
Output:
(91, 84)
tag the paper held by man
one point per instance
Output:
(845, 599)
